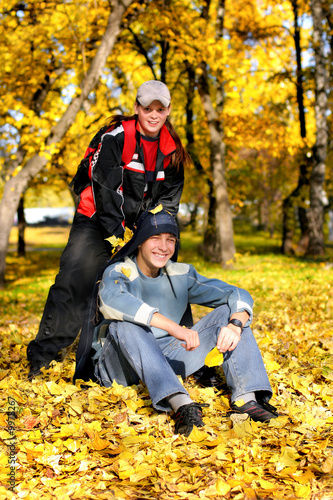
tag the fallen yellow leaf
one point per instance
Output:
(303, 491)
(243, 429)
(305, 478)
(197, 435)
(157, 209)
(267, 485)
(99, 443)
(239, 402)
(327, 466)
(126, 271)
(113, 240)
(222, 488)
(287, 459)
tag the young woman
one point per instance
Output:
(132, 164)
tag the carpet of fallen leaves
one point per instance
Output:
(80, 442)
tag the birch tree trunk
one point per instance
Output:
(317, 179)
(15, 186)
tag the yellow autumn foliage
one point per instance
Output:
(117, 243)
(85, 441)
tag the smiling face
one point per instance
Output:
(155, 252)
(151, 118)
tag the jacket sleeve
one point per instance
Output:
(172, 189)
(115, 297)
(81, 179)
(107, 178)
(212, 292)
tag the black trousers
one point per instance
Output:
(84, 257)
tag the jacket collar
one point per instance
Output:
(166, 143)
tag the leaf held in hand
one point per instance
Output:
(214, 358)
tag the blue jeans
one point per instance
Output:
(132, 353)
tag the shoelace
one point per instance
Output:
(267, 406)
(191, 413)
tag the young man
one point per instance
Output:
(144, 294)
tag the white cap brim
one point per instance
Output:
(146, 100)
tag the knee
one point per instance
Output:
(126, 331)
(132, 340)
(222, 314)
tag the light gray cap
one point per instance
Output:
(153, 90)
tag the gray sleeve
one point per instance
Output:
(116, 300)
(212, 292)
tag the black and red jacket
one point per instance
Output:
(111, 178)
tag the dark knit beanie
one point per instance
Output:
(154, 221)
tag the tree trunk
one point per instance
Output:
(224, 226)
(15, 186)
(330, 225)
(288, 223)
(165, 46)
(287, 226)
(328, 12)
(317, 179)
(21, 225)
(192, 149)
(298, 196)
(223, 217)
(299, 71)
(211, 242)
(193, 217)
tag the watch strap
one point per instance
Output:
(236, 322)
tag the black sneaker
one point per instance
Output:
(206, 377)
(265, 404)
(36, 366)
(187, 416)
(259, 411)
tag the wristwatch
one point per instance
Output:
(236, 322)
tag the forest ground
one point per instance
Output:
(70, 442)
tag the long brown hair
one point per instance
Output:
(179, 157)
